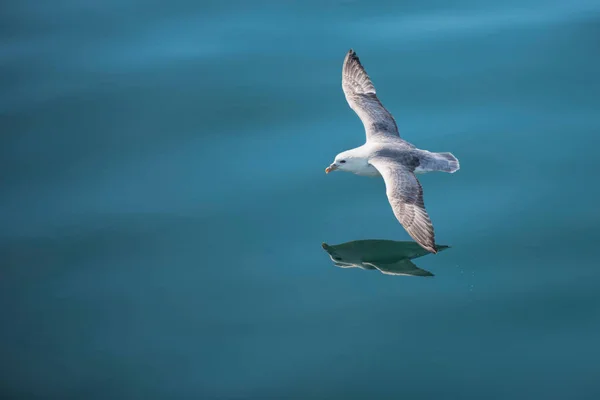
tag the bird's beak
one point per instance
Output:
(332, 167)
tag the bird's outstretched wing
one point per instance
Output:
(362, 98)
(405, 195)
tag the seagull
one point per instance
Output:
(387, 155)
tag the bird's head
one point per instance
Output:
(343, 162)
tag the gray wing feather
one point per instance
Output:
(405, 195)
(362, 98)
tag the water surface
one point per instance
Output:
(164, 202)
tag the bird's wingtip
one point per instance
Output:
(349, 55)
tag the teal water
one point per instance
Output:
(164, 202)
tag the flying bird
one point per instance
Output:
(387, 155)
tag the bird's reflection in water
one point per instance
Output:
(387, 256)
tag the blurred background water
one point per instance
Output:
(163, 200)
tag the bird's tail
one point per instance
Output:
(430, 162)
(446, 162)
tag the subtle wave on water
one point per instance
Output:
(164, 202)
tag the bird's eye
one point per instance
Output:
(342, 161)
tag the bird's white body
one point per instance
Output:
(365, 170)
(420, 161)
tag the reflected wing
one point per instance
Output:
(348, 265)
(362, 98)
(402, 267)
(405, 195)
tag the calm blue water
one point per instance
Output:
(163, 200)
